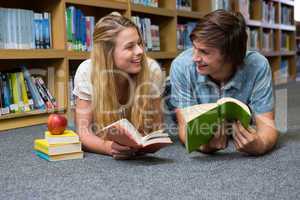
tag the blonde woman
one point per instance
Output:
(117, 82)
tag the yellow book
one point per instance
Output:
(55, 149)
(69, 156)
(23, 91)
(68, 136)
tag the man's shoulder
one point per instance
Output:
(255, 59)
(184, 61)
(185, 56)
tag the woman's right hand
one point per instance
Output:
(118, 151)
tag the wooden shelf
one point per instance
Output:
(287, 53)
(103, 3)
(297, 37)
(161, 54)
(152, 10)
(270, 53)
(19, 120)
(31, 53)
(25, 114)
(287, 27)
(271, 26)
(77, 55)
(189, 14)
(286, 2)
(251, 22)
(277, 53)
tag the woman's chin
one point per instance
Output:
(134, 70)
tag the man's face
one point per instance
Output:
(209, 60)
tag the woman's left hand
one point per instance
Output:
(247, 140)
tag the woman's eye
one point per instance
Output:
(130, 47)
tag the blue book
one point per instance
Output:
(83, 32)
(6, 91)
(37, 99)
(46, 32)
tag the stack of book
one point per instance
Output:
(58, 147)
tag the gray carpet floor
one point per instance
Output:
(169, 174)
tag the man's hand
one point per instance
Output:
(218, 142)
(247, 140)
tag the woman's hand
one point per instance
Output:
(247, 140)
(118, 151)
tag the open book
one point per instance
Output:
(124, 133)
(201, 121)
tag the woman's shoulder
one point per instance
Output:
(85, 67)
(153, 65)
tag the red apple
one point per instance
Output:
(57, 124)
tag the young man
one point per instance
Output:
(218, 66)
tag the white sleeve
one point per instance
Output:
(82, 81)
(157, 78)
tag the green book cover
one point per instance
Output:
(201, 121)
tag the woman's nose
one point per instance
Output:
(139, 50)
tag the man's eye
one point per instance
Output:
(204, 52)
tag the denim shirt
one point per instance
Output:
(251, 83)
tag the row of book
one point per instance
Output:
(285, 41)
(183, 32)
(298, 69)
(150, 33)
(71, 88)
(268, 40)
(151, 3)
(253, 38)
(221, 4)
(24, 29)
(287, 15)
(80, 29)
(268, 12)
(184, 5)
(66, 146)
(281, 76)
(21, 92)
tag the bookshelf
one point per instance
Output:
(276, 18)
(60, 62)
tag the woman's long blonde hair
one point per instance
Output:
(105, 97)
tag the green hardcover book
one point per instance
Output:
(201, 121)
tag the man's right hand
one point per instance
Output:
(218, 142)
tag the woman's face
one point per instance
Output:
(128, 51)
(209, 61)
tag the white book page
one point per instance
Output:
(190, 113)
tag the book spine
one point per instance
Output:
(37, 99)
(43, 94)
(48, 93)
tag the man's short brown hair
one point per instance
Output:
(225, 31)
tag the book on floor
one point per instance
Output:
(201, 121)
(55, 149)
(68, 136)
(68, 156)
(124, 133)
